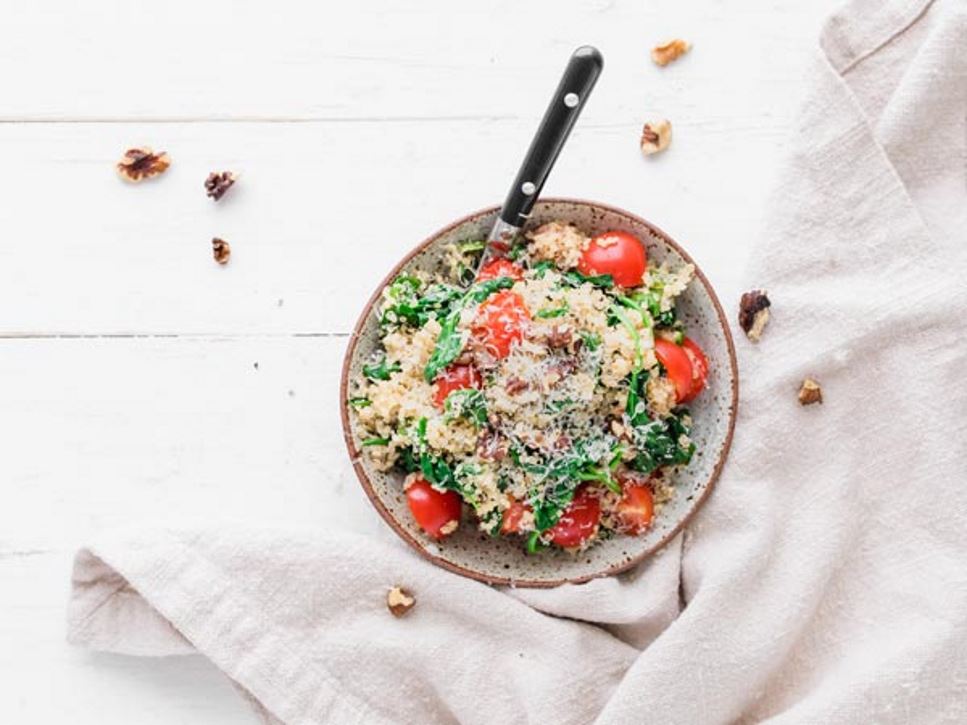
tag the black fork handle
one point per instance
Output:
(579, 78)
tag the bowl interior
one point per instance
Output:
(504, 561)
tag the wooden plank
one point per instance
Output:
(102, 432)
(321, 213)
(378, 58)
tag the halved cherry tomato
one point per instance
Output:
(636, 508)
(432, 509)
(677, 364)
(620, 254)
(699, 368)
(500, 321)
(579, 522)
(455, 377)
(500, 268)
(513, 516)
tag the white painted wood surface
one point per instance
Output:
(139, 381)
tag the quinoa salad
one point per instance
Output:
(544, 399)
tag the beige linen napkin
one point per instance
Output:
(825, 580)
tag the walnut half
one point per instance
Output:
(218, 183)
(399, 601)
(655, 136)
(754, 313)
(221, 250)
(142, 163)
(810, 392)
(672, 50)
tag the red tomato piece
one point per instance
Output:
(579, 522)
(620, 254)
(677, 365)
(699, 368)
(455, 377)
(500, 268)
(433, 510)
(513, 516)
(636, 508)
(500, 322)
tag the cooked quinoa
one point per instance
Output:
(533, 391)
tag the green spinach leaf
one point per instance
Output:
(541, 268)
(405, 305)
(592, 340)
(551, 312)
(468, 403)
(658, 443)
(573, 278)
(379, 370)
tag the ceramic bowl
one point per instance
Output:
(501, 560)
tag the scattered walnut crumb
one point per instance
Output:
(810, 392)
(399, 601)
(221, 250)
(656, 136)
(754, 313)
(218, 183)
(672, 50)
(142, 163)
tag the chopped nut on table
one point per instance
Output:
(754, 313)
(218, 183)
(142, 163)
(399, 601)
(810, 392)
(672, 50)
(221, 250)
(656, 136)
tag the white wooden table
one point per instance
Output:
(140, 381)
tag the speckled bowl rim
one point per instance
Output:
(355, 454)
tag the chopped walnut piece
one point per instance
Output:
(142, 163)
(656, 136)
(672, 50)
(562, 442)
(564, 366)
(810, 392)
(559, 336)
(221, 250)
(218, 183)
(515, 385)
(399, 601)
(754, 313)
(491, 446)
